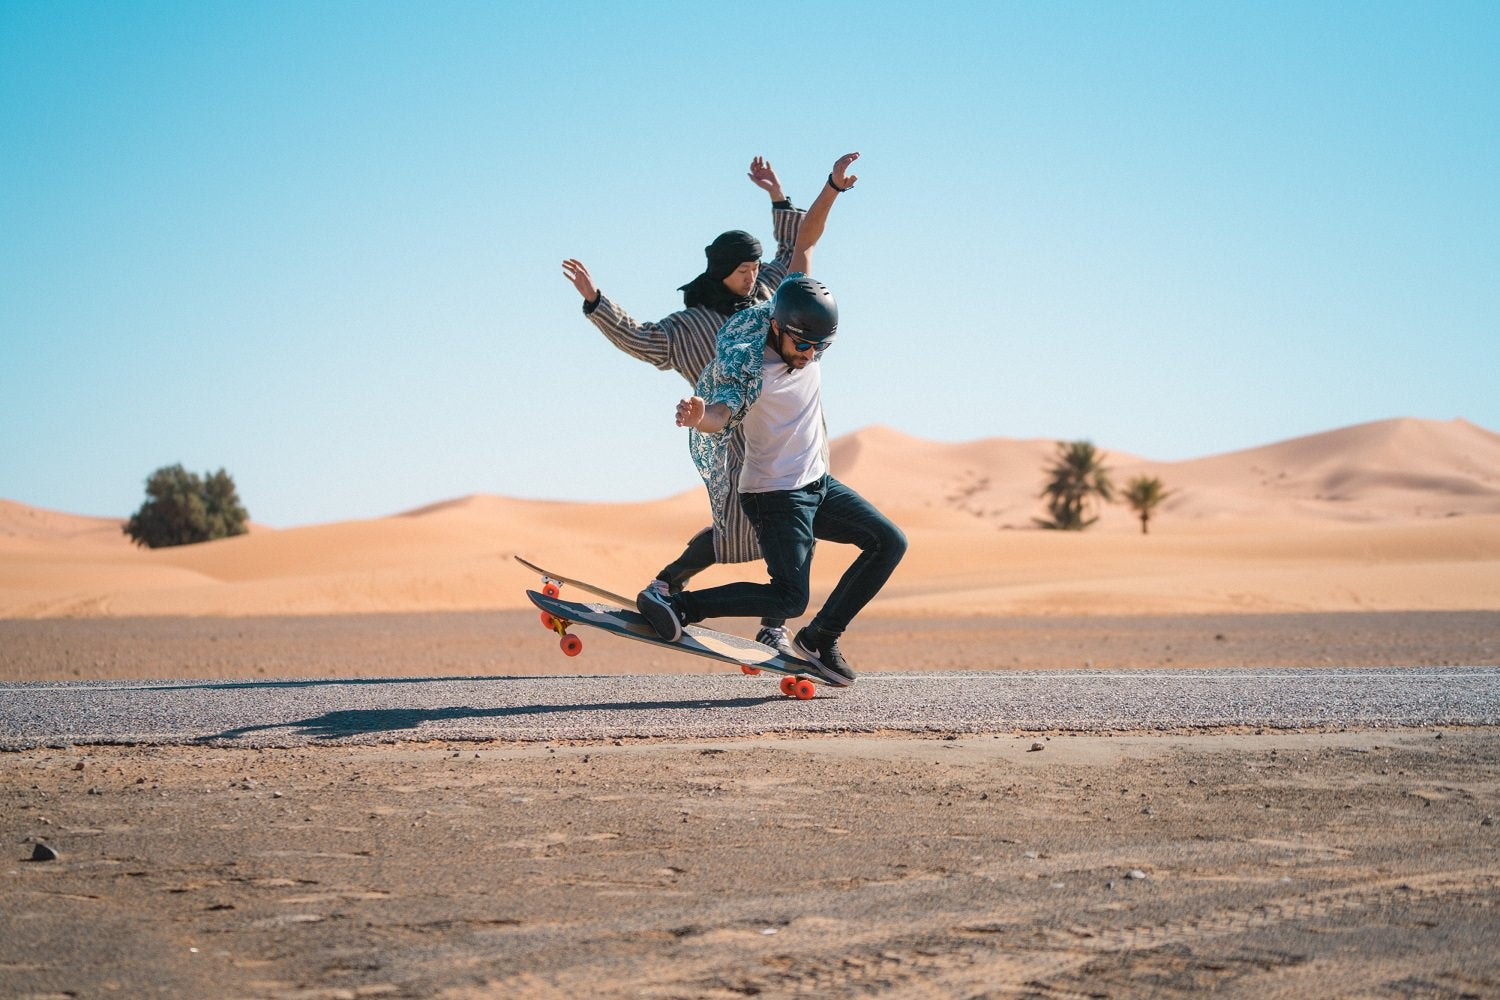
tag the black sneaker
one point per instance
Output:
(825, 656)
(657, 609)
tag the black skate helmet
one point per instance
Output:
(804, 309)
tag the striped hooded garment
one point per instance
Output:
(685, 342)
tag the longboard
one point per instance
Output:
(751, 657)
(557, 580)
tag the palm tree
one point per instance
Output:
(1078, 477)
(1144, 495)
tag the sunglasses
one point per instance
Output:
(818, 346)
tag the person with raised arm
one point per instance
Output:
(765, 381)
(734, 277)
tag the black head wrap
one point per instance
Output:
(724, 254)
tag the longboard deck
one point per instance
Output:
(608, 595)
(697, 640)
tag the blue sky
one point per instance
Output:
(319, 244)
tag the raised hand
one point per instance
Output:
(575, 272)
(841, 178)
(764, 177)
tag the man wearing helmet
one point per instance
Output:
(733, 278)
(766, 379)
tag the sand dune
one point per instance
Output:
(23, 527)
(1387, 470)
(1392, 515)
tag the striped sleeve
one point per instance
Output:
(787, 221)
(649, 342)
(683, 342)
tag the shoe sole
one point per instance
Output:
(660, 616)
(831, 676)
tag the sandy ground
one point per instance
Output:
(512, 643)
(1289, 865)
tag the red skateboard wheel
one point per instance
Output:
(804, 688)
(789, 686)
(571, 644)
(752, 671)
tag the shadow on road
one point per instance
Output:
(297, 682)
(364, 722)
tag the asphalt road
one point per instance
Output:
(300, 712)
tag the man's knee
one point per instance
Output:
(791, 599)
(898, 542)
(890, 542)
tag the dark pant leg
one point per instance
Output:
(783, 521)
(697, 557)
(848, 518)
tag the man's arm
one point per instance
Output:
(649, 342)
(817, 214)
(708, 418)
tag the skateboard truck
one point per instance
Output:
(571, 644)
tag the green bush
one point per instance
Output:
(181, 508)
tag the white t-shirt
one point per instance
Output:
(785, 443)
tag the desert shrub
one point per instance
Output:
(182, 508)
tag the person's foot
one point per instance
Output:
(655, 604)
(824, 655)
(775, 636)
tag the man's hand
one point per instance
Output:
(764, 178)
(708, 418)
(690, 412)
(575, 272)
(816, 218)
(845, 181)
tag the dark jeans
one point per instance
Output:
(697, 557)
(789, 524)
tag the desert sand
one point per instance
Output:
(1356, 864)
(1399, 515)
